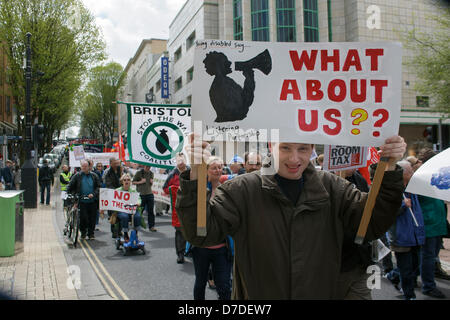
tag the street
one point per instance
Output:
(155, 275)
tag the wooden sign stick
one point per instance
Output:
(373, 193)
(201, 200)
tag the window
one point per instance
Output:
(422, 102)
(189, 99)
(178, 84)
(190, 41)
(180, 102)
(237, 20)
(1, 106)
(260, 20)
(311, 20)
(190, 75)
(177, 55)
(286, 20)
(8, 105)
(158, 85)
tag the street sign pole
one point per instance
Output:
(29, 174)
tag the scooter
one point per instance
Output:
(133, 243)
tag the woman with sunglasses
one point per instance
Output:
(125, 180)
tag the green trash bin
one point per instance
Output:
(11, 222)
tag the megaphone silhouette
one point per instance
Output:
(262, 62)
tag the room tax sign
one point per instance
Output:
(157, 133)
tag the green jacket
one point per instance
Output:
(434, 216)
(284, 251)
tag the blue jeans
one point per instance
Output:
(124, 218)
(408, 265)
(45, 185)
(430, 251)
(148, 202)
(221, 266)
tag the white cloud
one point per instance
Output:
(125, 23)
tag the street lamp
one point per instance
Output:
(29, 174)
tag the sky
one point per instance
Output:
(125, 23)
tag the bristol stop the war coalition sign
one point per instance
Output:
(327, 93)
(157, 133)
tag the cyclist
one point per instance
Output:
(64, 179)
(86, 183)
(125, 180)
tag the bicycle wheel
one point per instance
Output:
(70, 224)
(76, 226)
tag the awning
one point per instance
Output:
(10, 127)
(421, 117)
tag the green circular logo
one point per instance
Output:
(162, 140)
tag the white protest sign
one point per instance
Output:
(78, 152)
(102, 158)
(432, 179)
(117, 200)
(156, 134)
(337, 158)
(157, 187)
(332, 93)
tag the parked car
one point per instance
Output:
(54, 158)
(51, 164)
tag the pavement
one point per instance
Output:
(48, 270)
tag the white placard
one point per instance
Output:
(78, 153)
(117, 200)
(338, 158)
(432, 179)
(102, 158)
(333, 93)
(157, 187)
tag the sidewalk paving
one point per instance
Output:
(40, 271)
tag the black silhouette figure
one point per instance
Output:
(230, 101)
(159, 145)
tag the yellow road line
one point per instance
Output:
(108, 288)
(119, 290)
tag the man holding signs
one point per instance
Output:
(288, 227)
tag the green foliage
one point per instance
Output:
(98, 107)
(65, 42)
(431, 61)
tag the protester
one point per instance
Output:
(99, 172)
(144, 180)
(215, 253)
(171, 187)
(252, 161)
(237, 165)
(125, 180)
(64, 179)
(435, 219)
(17, 177)
(407, 235)
(8, 175)
(111, 180)
(86, 184)
(296, 216)
(45, 180)
(355, 258)
(320, 160)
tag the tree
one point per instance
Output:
(431, 61)
(99, 110)
(65, 42)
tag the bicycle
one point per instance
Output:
(72, 216)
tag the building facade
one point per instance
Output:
(142, 81)
(308, 21)
(8, 112)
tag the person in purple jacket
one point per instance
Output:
(407, 236)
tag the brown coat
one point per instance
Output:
(284, 251)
